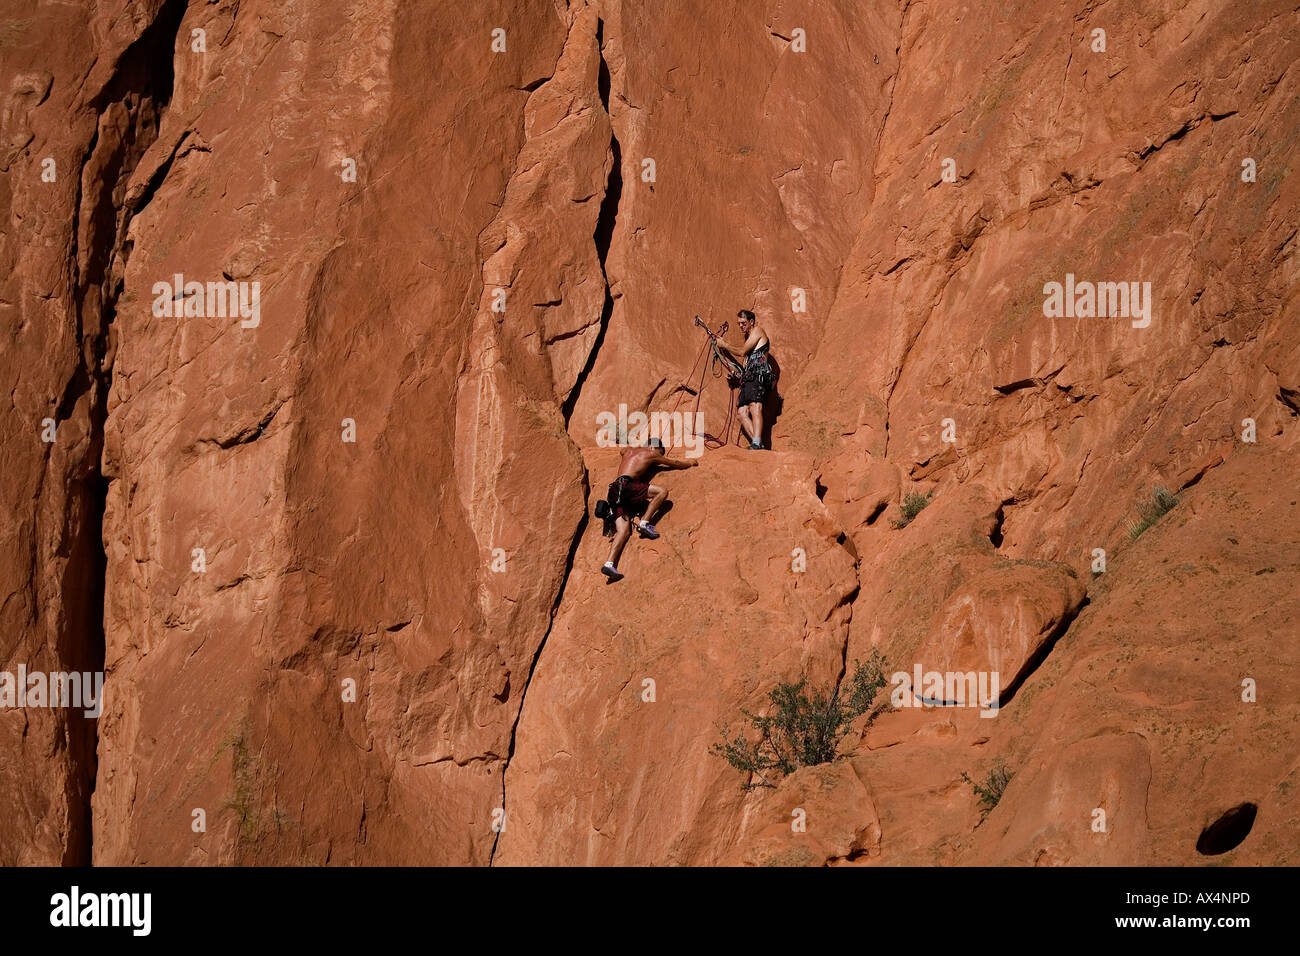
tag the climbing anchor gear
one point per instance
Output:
(719, 364)
(720, 357)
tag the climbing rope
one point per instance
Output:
(719, 364)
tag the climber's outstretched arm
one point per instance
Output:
(662, 462)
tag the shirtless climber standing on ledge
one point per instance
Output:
(629, 499)
(757, 378)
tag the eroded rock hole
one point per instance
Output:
(995, 538)
(1227, 832)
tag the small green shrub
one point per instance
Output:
(244, 771)
(247, 776)
(1149, 512)
(994, 786)
(912, 506)
(804, 727)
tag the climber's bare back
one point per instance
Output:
(637, 462)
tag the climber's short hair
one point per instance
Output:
(745, 315)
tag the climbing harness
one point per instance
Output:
(758, 367)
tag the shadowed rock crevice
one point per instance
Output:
(1036, 661)
(130, 106)
(603, 237)
(995, 536)
(876, 512)
(604, 234)
(1015, 386)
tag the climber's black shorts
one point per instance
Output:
(751, 390)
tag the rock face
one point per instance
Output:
(322, 519)
(709, 616)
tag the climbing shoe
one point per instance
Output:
(647, 531)
(756, 446)
(611, 572)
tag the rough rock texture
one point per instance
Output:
(707, 619)
(375, 650)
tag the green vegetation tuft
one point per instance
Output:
(244, 771)
(247, 778)
(995, 784)
(804, 728)
(1149, 512)
(912, 506)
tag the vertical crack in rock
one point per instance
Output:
(880, 139)
(847, 601)
(532, 667)
(604, 239)
(130, 108)
(604, 234)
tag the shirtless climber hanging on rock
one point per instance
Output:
(630, 499)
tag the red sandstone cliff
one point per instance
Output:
(535, 217)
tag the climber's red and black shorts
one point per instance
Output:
(629, 497)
